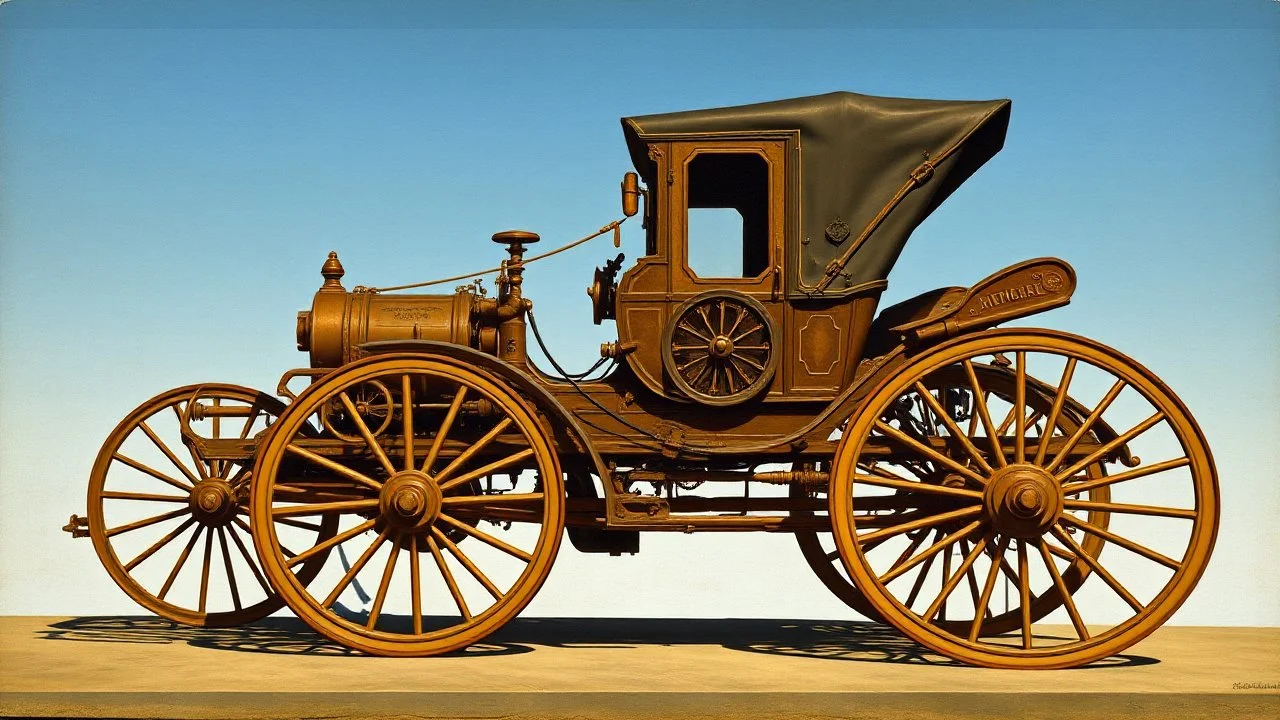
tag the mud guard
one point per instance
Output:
(1027, 288)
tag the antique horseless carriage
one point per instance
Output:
(957, 481)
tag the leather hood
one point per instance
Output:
(869, 171)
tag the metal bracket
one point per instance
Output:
(77, 526)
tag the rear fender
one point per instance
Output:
(1027, 288)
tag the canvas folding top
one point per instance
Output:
(870, 170)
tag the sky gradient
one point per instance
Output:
(172, 176)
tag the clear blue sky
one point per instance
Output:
(172, 175)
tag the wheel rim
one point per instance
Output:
(1022, 500)
(417, 489)
(158, 505)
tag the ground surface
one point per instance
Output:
(610, 668)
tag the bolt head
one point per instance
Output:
(408, 502)
(210, 500)
(1029, 499)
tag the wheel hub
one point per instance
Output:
(213, 502)
(410, 500)
(1022, 500)
(721, 347)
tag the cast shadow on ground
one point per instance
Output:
(819, 639)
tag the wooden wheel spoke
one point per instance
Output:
(918, 585)
(445, 426)
(952, 428)
(249, 531)
(953, 580)
(354, 570)
(249, 420)
(747, 376)
(406, 409)
(119, 495)
(301, 525)
(204, 573)
(243, 475)
(1058, 551)
(1075, 488)
(216, 466)
(980, 610)
(1111, 445)
(1059, 400)
(191, 450)
(748, 331)
(415, 585)
(1097, 568)
(687, 327)
(972, 579)
(324, 508)
(701, 311)
(758, 366)
(1065, 451)
(924, 522)
(697, 377)
(151, 471)
(385, 584)
(742, 312)
(449, 580)
(917, 538)
(1019, 407)
(497, 500)
(1122, 541)
(728, 378)
(467, 563)
(155, 440)
(691, 363)
(485, 470)
(328, 544)
(1010, 574)
(942, 543)
(1024, 594)
(159, 544)
(336, 467)
(1130, 509)
(111, 532)
(918, 487)
(182, 560)
(488, 539)
(248, 558)
(231, 573)
(471, 451)
(984, 414)
(1067, 601)
(366, 433)
(930, 453)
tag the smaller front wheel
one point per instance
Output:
(452, 513)
(170, 521)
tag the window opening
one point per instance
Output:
(728, 220)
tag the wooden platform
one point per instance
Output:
(143, 667)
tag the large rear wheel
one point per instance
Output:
(920, 418)
(1019, 505)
